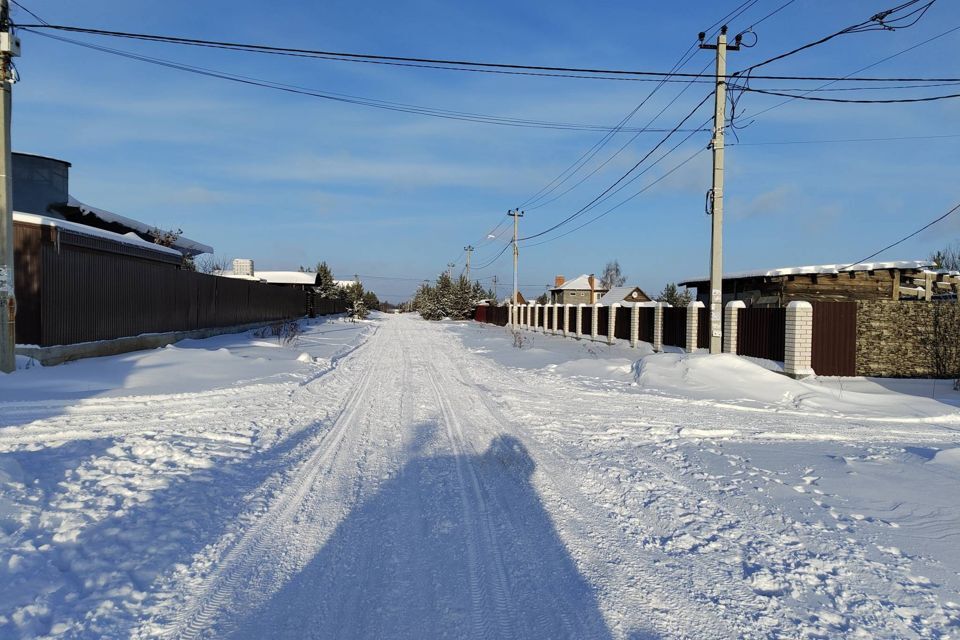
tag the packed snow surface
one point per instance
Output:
(405, 479)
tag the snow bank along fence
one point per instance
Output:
(871, 338)
(75, 288)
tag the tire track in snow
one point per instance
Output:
(269, 534)
(478, 529)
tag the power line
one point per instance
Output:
(495, 258)
(35, 16)
(842, 140)
(624, 176)
(884, 20)
(456, 65)
(344, 98)
(616, 153)
(864, 68)
(851, 100)
(905, 238)
(673, 169)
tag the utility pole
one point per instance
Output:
(469, 250)
(9, 47)
(495, 289)
(716, 191)
(450, 266)
(516, 214)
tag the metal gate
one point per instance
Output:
(834, 338)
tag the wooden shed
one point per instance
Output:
(832, 282)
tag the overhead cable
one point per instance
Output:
(458, 65)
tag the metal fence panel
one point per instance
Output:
(834, 350)
(761, 332)
(621, 329)
(675, 326)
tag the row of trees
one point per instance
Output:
(449, 298)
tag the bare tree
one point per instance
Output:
(210, 263)
(612, 277)
(947, 258)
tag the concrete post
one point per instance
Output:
(693, 324)
(556, 316)
(594, 329)
(798, 351)
(612, 322)
(635, 325)
(658, 327)
(579, 321)
(730, 316)
(565, 325)
(536, 317)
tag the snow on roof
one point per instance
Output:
(826, 269)
(287, 277)
(581, 282)
(183, 244)
(617, 294)
(82, 229)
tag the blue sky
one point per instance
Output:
(289, 180)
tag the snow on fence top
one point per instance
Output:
(74, 227)
(822, 269)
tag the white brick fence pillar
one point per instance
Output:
(658, 327)
(693, 324)
(566, 319)
(612, 323)
(556, 316)
(536, 316)
(635, 324)
(579, 321)
(798, 350)
(730, 316)
(594, 329)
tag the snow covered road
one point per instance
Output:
(406, 483)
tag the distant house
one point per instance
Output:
(624, 294)
(584, 289)
(243, 269)
(520, 299)
(41, 187)
(830, 282)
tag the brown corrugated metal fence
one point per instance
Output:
(834, 350)
(761, 332)
(74, 288)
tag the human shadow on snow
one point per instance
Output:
(453, 546)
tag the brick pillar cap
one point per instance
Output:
(736, 304)
(695, 304)
(616, 305)
(799, 304)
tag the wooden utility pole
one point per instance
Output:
(469, 250)
(516, 214)
(716, 191)
(9, 47)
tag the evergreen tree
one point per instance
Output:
(543, 298)
(674, 296)
(371, 301)
(356, 304)
(326, 287)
